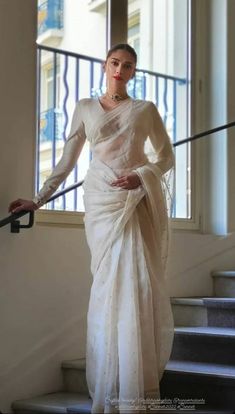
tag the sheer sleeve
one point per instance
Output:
(71, 151)
(160, 141)
(163, 167)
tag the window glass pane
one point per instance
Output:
(160, 29)
(69, 25)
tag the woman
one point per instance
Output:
(129, 323)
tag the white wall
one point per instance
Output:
(45, 275)
(45, 271)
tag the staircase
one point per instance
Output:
(201, 370)
(202, 363)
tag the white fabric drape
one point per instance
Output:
(129, 322)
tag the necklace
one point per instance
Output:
(116, 97)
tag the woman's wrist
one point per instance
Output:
(37, 201)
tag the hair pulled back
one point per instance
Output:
(122, 46)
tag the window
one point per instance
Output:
(159, 30)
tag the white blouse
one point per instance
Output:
(117, 137)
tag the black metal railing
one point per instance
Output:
(12, 219)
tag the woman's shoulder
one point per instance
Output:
(144, 102)
(86, 102)
(84, 106)
(144, 105)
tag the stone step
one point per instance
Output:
(74, 403)
(224, 283)
(220, 311)
(219, 375)
(57, 403)
(204, 311)
(74, 375)
(204, 344)
(179, 374)
(189, 311)
(215, 383)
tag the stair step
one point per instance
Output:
(74, 403)
(215, 383)
(79, 363)
(204, 311)
(224, 283)
(210, 370)
(189, 311)
(58, 403)
(220, 311)
(221, 303)
(204, 344)
(74, 375)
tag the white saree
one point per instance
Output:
(130, 325)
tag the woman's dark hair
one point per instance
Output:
(123, 46)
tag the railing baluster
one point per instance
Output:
(157, 90)
(144, 86)
(134, 87)
(54, 109)
(91, 78)
(37, 184)
(174, 136)
(77, 76)
(174, 111)
(101, 80)
(53, 125)
(65, 112)
(77, 68)
(165, 101)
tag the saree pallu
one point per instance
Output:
(129, 322)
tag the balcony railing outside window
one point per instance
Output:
(50, 15)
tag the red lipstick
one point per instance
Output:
(117, 77)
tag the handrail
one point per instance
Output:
(204, 134)
(65, 190)
(15, 224)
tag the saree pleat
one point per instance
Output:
(129, 328)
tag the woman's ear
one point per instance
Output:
(104, 66)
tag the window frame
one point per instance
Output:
(75, 218)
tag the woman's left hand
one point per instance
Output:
(128, 182)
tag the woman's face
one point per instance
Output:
(119, 67)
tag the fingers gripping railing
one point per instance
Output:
(13, 218)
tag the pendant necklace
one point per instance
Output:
(116, 97)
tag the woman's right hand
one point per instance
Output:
(20, 204)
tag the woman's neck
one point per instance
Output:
(117, 96)
(115, 88)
